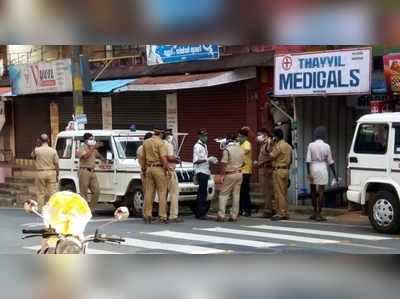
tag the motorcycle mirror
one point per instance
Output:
(121, 214)
(31, 206)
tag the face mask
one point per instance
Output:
(204, 139)
(260, 138)
(241, 140)
(170, 138)
(91, 142)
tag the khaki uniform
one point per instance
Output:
(87, 176)
(173, 184)
(46, 160)
(265, 172)
(282, 157)
(233, 156)
(142, 164)
(156, 177)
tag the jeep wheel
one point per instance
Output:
(136, 202)
(384, 213)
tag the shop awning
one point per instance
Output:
(109, 85)
(189, 81)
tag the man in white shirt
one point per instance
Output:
(201, 163)
(319, 157)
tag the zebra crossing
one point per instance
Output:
(231, 239)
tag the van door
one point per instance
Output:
(395, 150)
(369, 155)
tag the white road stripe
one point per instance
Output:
(324, 223)
(270, 235)
(320, 232)
(90, 251)
(188, 249)
(214, 239)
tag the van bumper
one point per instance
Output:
(354, 196)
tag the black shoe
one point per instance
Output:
(246, 214)
(163, 221)
(202, 218)
(147, 220)
(279, 218)
(176, 220)
(233, 219)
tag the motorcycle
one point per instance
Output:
(65, 218)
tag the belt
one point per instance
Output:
(88, 169)
(280, 167)
(154, 165)
(265, 166)
(45, 170)
(233, 172)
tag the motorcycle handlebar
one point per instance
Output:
(35, 231)
(105, 238)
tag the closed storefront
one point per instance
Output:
(32, 117)
(339, 119)
(144, 109)
(220, 109)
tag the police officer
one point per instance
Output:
(142, 164)
(265, 171)
(173, 184)
(87, 176)
(281, 155)
(232, 177)
(46, 164)
(156, 167)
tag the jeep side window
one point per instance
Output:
(64, 148)
(372, 139)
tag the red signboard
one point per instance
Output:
(392, 72)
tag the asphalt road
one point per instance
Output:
(248, 236)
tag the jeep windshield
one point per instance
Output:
(127, 146)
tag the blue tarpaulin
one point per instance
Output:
(109, 85)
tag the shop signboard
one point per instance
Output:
(161, 54)
(339, 72)
(392, 72)
(41, 77)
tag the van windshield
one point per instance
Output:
(127, 146)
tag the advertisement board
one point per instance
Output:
(341, 72)
(41, 77)
(161, 54)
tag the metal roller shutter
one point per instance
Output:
(32, 118)
(144, 109)
(220, 109)
(91, 106)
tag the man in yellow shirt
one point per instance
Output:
(245, 201)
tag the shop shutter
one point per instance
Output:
(220, 109)
(144, 109)
(32, 118)
(91, 106)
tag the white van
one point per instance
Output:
(374, 169)
(119, 178)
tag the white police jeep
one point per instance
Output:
(119, 177)
(374, 170)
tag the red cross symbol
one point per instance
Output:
(287, 63)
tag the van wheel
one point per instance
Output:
(384, 213)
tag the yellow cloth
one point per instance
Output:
(248, 161)
(68, 213)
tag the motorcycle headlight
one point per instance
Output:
(69, 245)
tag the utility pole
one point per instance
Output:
(77, 84)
